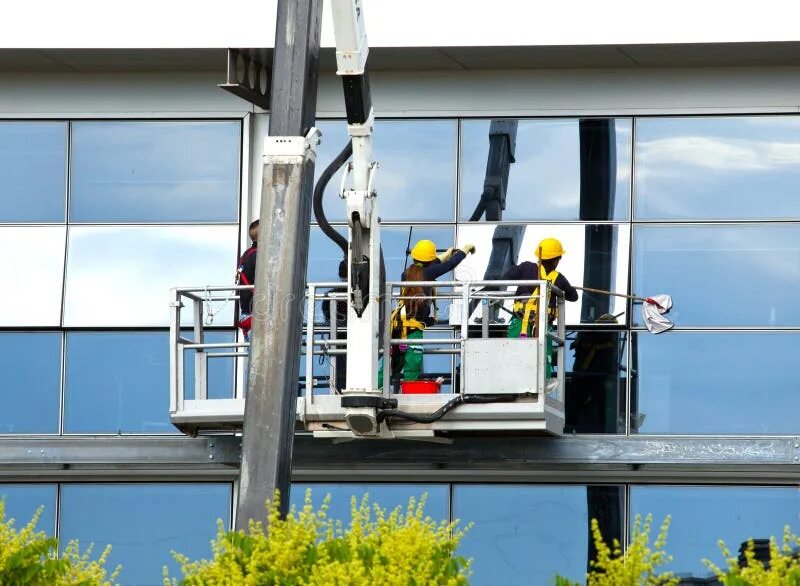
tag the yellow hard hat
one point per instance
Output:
(424, 251)
(549, 248)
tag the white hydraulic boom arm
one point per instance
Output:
(361, 397)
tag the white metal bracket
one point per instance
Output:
(276, 147)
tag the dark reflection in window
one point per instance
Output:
(698, 383)
(559, 169)
(23, 500)
(33, 168)
(417, 175)
(145, 523)
(388, 496)
(718, 168)
(721, 275)
(31, 367)
(595, 379)
(703, 515)
(526, 534)
(117, 382)
(162, 171)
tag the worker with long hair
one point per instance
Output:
(414, 312)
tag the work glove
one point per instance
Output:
(445, 255)
(468, 249)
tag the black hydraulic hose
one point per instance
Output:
(444, 409)
(319, 190)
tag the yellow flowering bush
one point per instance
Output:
(309, 549)
(30, 558)
(783, 568)
(637, 566)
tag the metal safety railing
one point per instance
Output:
(464, 308)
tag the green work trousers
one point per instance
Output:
(515, 329)
(406, 363)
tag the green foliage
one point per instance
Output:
(637, 566)
(309, 549)
(783, 568)
(30, 558)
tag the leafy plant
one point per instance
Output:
(309, 549)
(636, 566)
(783, 568)
(30, 558)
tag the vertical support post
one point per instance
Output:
(175, 375)
(310, 300)
(286, 190)
(464, 331)
(200, 364)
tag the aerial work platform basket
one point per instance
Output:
(494, 384)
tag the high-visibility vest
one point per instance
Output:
(531, 306)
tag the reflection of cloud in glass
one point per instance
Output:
(121, 276)
(31, 275)
(571, 266)
(155, 171)
(717, 168)
(722, 275)
(416, 178)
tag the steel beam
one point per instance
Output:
(287, 185)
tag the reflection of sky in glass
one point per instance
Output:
(31, 274)
(155, 171)
(717, 168)
(388, 496)
(571, 265)
(220, 370)
(721, 275)
(22, 501)
(523, 535)
(145, 523)
(697, 383)
(121, 276)
(544, 183)
(31, 367)
(416, 178)
(703, 515)
(117, 382)
(33, 170)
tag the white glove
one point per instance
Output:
(468, 249)
(445, 255)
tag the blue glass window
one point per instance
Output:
(155, 171)
(117, 383)
(144, 523)
(564, 169)
(23, 500)
(388, 496)
(33, 169)
(703, 515)
(32, 275)
(417, 175)
(721, 275)
(220, 370)
(744, 167)
(121, 276)
(526, 534)
(31, 367)
(695, 383)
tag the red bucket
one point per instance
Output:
(420, 387)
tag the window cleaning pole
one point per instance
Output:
(286, 193)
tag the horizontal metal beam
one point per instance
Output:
(542, 459)
(119, 455)
(574, 459)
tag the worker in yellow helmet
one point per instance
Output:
(526, 306)
(412, 315)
